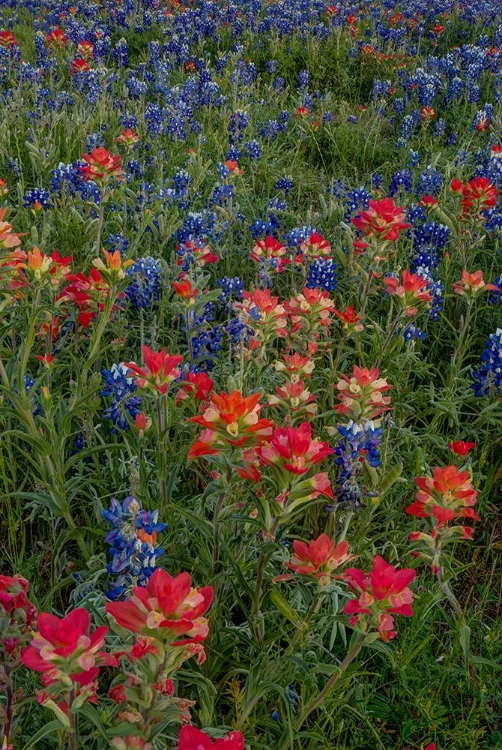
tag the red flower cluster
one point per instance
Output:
(410, 293)
(63, 648)
(478, 195)
(231, 420)
(165, 609)
(361, 395)
(448, 494)
(271, 251)
(382, 593)
(192, 738)
(101, 166)
(159, 372)
(17, 614)
(319, 558)
(383, 220)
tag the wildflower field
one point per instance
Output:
(250, 374)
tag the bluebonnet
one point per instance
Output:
(230, 288)
(32, 197)
(488, 375)
(239, 121)
(411, 332)
(253, 150)
(117, 242)
(133, 558)
(296, 236)
(285, 184)
(357, 200)
(401, 180)
(145, 286)
(429, 182)
(360, 441)
(322, 274)
(31, 394)
(496, 296)
(206, 346)
(120, 387)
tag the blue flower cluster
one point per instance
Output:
(145, 286)
(134, 549)
(120, 387)
(488, 376)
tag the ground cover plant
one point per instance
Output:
(250, 375)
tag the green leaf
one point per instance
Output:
(52, 726)
(391, 477)
(465, 640)
(286, 609)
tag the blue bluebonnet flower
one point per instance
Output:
(117, 242)
(357, 200)
(322, 274)
(206, 346)
(488, 375)
(496, 296)
(31, 395)
(239, 121)
(360, 441)
(133, 545)
(411, 332)
(120, 387)
(230, 289)
(285, 184)
(401, 180)
(429, 182)
(303, 79)
(253, 150)
(36, 199)
(145, 286)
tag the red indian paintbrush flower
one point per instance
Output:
(313, 247)
(446, 495)
(185, 289)
(128, 137)
(361, 395)
(319, 558)
(478, 195)
(310, 309)
(410, 293)
(8, 238)
(296, 365)
(461, 448)
(159, 372)
(471, 284)
(383, 220)
(17, 614)
(198, 382)
(350, 320)
(293, 449)
(56, 38)
(165, 609)
(63, 646)
(381, 593)
(192, 738)
(272, 251)
(262, 311)
(100, 166)
(230, 420)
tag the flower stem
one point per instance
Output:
(316, 702)
(262, 561)
(101, 216)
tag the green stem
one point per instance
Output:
(262, 561)
(316, 702)
(101, 216)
